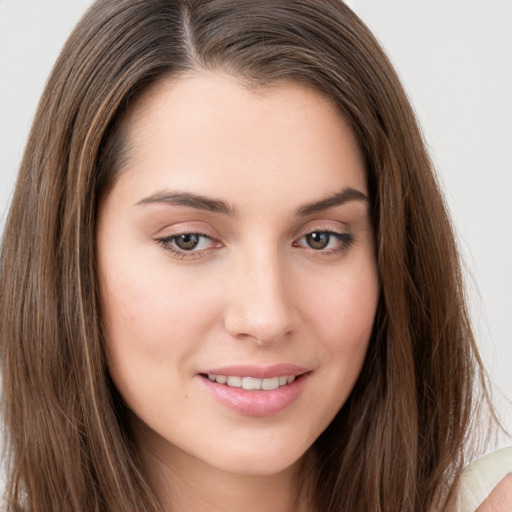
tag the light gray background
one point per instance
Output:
(455, 59)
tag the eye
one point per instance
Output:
(185, 245)
(325, 241)
(188, 241)
(318, 239)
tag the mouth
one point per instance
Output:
(251, 383)
(256, 391)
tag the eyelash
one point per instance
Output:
(166, 243)
(345, 242)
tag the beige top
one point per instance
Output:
(482, 476)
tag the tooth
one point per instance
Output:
(235, 382)
(250, 383)
(269, 384)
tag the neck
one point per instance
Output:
(186, 484)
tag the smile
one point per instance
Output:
(251, 383)
(265, 392)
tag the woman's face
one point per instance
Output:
(235, 251)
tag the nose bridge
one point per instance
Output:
(261, 303)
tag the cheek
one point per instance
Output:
(345, 312)
(343, 317)
(152, 316)
(154, 329)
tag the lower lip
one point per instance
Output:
(257, 402)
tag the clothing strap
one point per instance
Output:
(482, 476)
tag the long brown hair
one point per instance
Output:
(397, 444)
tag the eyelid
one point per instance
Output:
(166, 242)
(335, 229)
(322, 225)
(182, 226)
(166, 239)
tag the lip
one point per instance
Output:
(257, 403)
(258, 372)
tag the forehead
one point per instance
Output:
(210, 133)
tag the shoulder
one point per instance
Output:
(500, 499)
(486, 485)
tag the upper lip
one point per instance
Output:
(258, 372)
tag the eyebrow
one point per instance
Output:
(346, 195)
(191, 200)
(200, 202)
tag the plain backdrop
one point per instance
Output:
(455, 59)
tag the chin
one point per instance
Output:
(262, 463)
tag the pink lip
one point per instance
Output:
(257, 402)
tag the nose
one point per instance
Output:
(261, 303)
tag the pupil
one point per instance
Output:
(318, 240)
(187, 242)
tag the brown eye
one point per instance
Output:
(188, 245)
(325, 242)
(318, 239)
(187, 242)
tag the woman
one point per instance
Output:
(228, 279)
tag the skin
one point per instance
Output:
(254, 291)
(500, 499)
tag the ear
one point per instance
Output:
(500, 499)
